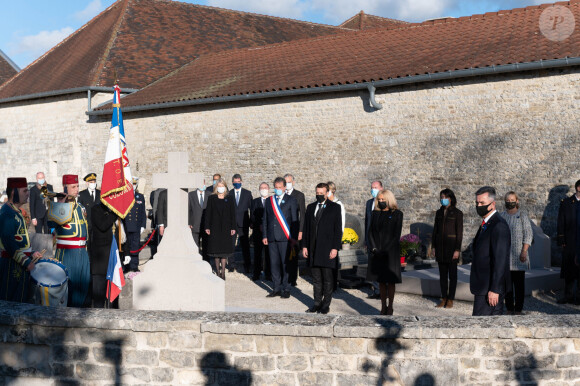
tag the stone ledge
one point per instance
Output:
(324, 326)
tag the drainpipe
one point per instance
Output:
(89, 94)
(372, 99)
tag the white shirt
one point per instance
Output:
(486, 219)
(318, 206)
(280, 198)
(289, 192)
(200, 195)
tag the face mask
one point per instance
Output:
(374, 192)
(135, 188)
(288, 185)
(329, 194)
(510, 205)
(320, 198)
(41, 182)
(215, 182)
(221, 189)
(93, 185)
(444, 201)
(482, 210)
(237, 185)
(202, 188)
(264, 192)
(382, 205)
(278, 192)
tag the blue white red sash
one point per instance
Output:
(280, 216)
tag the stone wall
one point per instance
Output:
(100, 347)
(513, 131)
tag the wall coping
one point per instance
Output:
(306, 325)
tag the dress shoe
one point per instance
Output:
(374, 296)
(255, 277)
(442, 303)
(518, 313)
(285, 295)
(390, 310)
(273, 294)
(313, 309)
(449, 303)
(324, 310)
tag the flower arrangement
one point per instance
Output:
(349, 236)
(409, 244)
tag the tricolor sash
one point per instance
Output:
(280, 217)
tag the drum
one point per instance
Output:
(51, 280)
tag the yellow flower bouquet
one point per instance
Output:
(349, 236)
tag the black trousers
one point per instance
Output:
(517, 292)
(133, 244)
(292, 267)
(244, 242)
(259, 247)
(278, 253)
(569, 290)
(482, 308)
(41, 225)
(448, 279)
(323, 283)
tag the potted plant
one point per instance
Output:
(409, 246)
(349, 237)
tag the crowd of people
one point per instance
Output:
(283, 229)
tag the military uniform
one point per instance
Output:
(569, 236)
(134, 222)
(15, 254)
(71, 251)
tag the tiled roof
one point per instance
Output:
(144, 40)
(7, 68)
(362, 21)
(497, 38)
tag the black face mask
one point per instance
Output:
(510, 205)
(320, 198)
(482, 210)
(382, 205)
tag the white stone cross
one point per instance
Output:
(177, 238)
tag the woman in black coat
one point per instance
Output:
(102, 219)
(220, 225)
(447, 238)
(384, 243)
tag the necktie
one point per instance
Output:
(201, 200)
(237, 198)
(482, 223)
(319, 213)
(93, 195)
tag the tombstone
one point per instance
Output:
(177, 278)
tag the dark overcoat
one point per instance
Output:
(447, 233)
(567, 237)
(220, 219)
(322, 235)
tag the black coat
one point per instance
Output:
(37, 205)
(196, 213)
(102, 237)
(242, 210)
(319, 237)
(385, 246)
(299, 196)
(136, 218)
(567, 223)
(220, 219)
(490, 269)
(447, 233)
(270, 224)
(87, 202)
(256, 217)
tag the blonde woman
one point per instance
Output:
(384, 235)
(332, 197)
(220, 226)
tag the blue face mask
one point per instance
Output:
(215, 182)
(444, 201)
(278, 192)
(237, 185)
(202, 188)
(374, 192)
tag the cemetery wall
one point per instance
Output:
(512, 131)
(54, 346)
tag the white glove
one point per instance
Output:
(142, 229)
(127, 260)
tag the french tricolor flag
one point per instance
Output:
(115, 278)
(117, 188)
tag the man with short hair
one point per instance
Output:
(88, 198)
(242, 200)
(38, 204)
(569, 240)
(256, 216)
(134, 224)
(280, 224)
(321, 241)
(196, 216)
(376, 187)
(490, 269)
(216, 178)
(299, 196)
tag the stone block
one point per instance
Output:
(558, 346)
(470, 363)
(377, 327)
(232, 377)
(16, 334)
(269, 344)
(176, 358)
(255, 363)
(138, 373)
(214, 359)
(357, 380)
(17, 358)
(108, 354)
(185, 340)
(69, 353)
(162, 374)
(369, 365)
(277, 379)
(499, 364)
(292, 362)
(107, 336)
(156, 339)
(540, 375)
(192, 377)
(315, 379)
(386, 347)
(504, 348)
(96, 372)
(334, 362)
(568, 360)
(141, 357)
(305, 345)
(410, 369)
(417, 348)
(534, 362)
(238, 343)
(63, 370)
(346, 345)
(454, 347)
(52, 335)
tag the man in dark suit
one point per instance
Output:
(196, 211)
(321, 241)
(490, 269)
(38, 212)
(568, 239)
(158, 203)
(256, 216)
(376, 187)
(135, 223)
(299, 196)
(88, 198)
(216, 177)
(243, 199)
(280, 233)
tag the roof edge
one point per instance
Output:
(9, 61)
(75, 90)
(424, 78)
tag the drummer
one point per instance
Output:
(16, 260)
(71, 240)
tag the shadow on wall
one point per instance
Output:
(214, 365)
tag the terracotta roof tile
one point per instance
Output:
(7, 68)
(144, 40)
(475, 42)
(362, 21)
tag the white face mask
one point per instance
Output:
(288, 186)
(264, 192)
(221, 189)
(329, 194)
(134, 187)
(92, 185)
